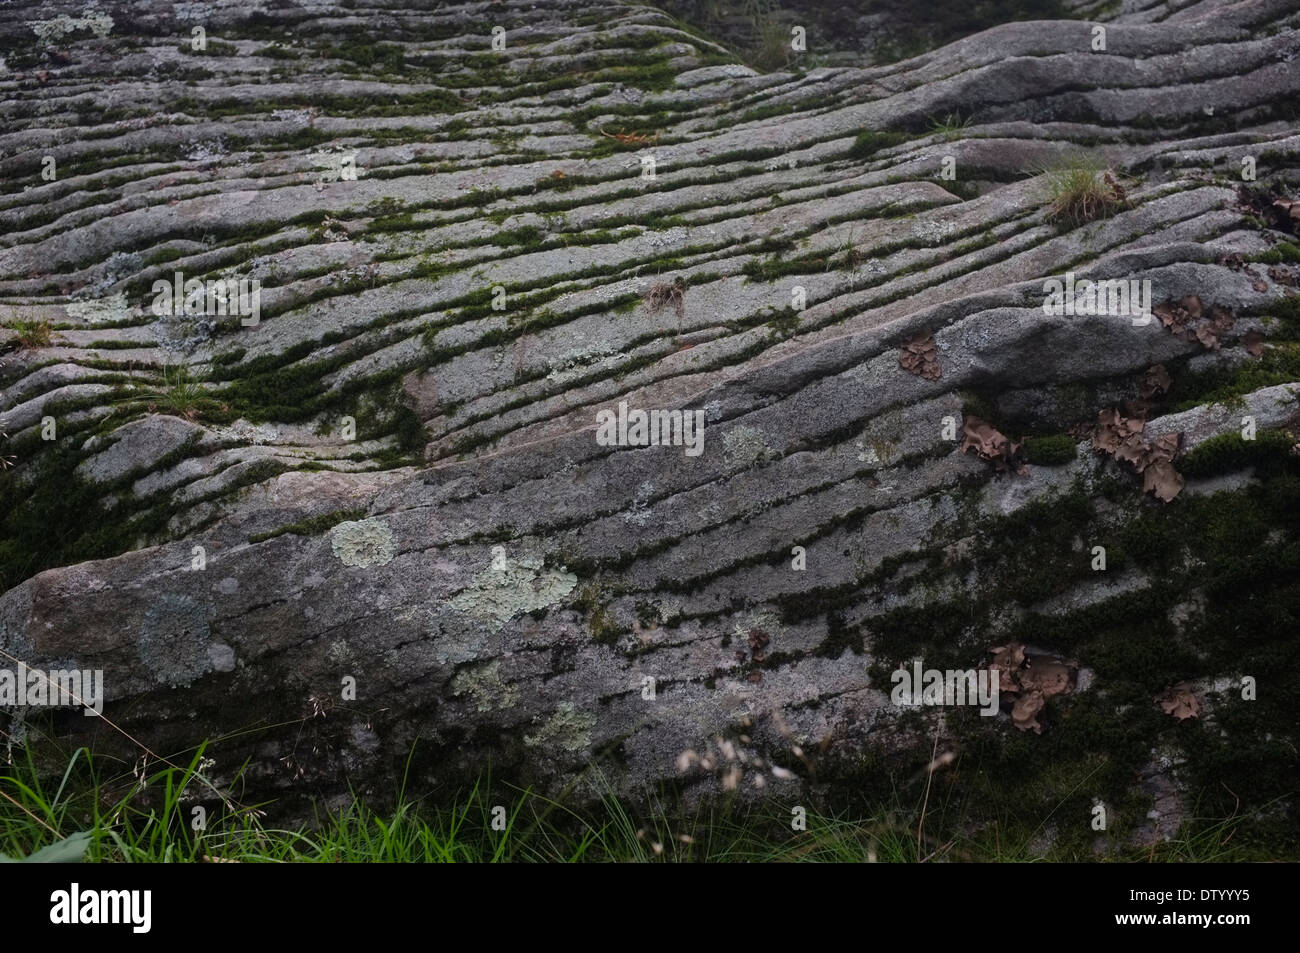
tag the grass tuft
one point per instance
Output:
(1081, 190)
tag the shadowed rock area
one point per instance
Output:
(389, 476)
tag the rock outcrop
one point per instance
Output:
(374, 463)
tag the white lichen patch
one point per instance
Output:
(568, 729)
(53, 30)
(101, 310)
(483, 684)
(499, 595)
(867, 454)
(744, 445)
(363, 544)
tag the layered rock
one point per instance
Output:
(391, 479)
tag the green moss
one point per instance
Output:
(527, 236)
(1279, 364)
(1281, 253)
(1229, 452)
(312, 526)
(771, 269)
(1052, 451)
(383, 57)
(871, 141)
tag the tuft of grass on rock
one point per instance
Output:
(32, 334)
(1081, 190)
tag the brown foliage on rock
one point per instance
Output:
(920, 356)
(1121, 437)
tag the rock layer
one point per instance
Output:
(392, 478)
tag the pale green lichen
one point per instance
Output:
(567, 728)
(483, 684)
(363, 544)
(524, 585)
(55, 29)
(101, 310)
(744, 445)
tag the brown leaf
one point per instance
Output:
(1253, 341)
(1205, 334)
(989, 444)
(1259, 284)
(1024, 713)
(1007, 660)
(1165, 448)
(1133, 450)
(1180, 701)
(1289, 209)
(1163, 480)
(1166, 313)
(920, 356)
(1283, 276)
(1192, 305)
(1047, 675)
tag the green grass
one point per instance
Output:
(950, 127)
(1081, 190)
(31, 333)
(132, 816)
(179, 395)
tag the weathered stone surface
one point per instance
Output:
(499, 584)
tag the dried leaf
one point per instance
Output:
(1253, 341)
(1166, 313)
(1007, 660)
(1048, 676)
(1165, 448)
(1283, 276)
(1024, 713)
(1289, 210)
(920, 356)
(990, 444)
(1180, 701)
(1133, 450)
(1163, 480)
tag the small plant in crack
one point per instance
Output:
(853, 257)
(950, 126)
(663, 294)
(179, 396)
(32, 334)
(1082, 190)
